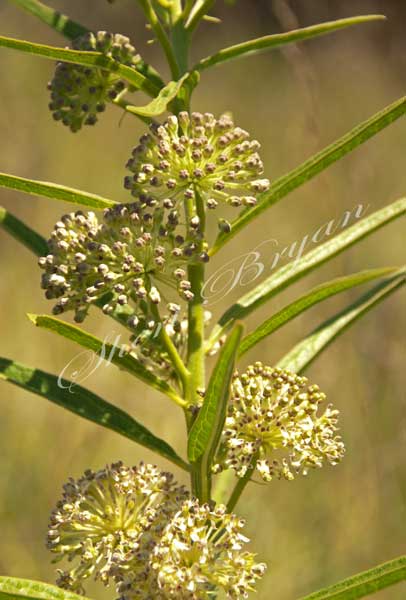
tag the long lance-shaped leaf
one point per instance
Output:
(205, 434)
(53, 18)
(313, 166)
(106, 351)
(24, 234)
(290, 273)
(307, 350)
(13, 588)
(316, 295)
(365, 583)
(85, 58)
(54, 191)
(270, 42)
(86, 404)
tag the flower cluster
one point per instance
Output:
(103, 517)
(124, 257)
(273, 426)
(136, 527)
(197, 155)
(79, 93)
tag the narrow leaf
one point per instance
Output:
(53, 18)
(105, 351)
(86, 404)
(307, 350)
(290, 273)
(205, 433)
(313, 166)
(270, 42)
(54, 191)
(365, 583)
(24, 234)
(86, 58)
(12, 588)
(316, 295)
(159, 104)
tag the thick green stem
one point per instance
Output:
(201, 9)
(240, 485)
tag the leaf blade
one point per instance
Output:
(22, 233)
(317, 294)
(58, 21)
(158, 105)
(27, 589)
(313, 166)
(105, 350)
(54, 191)
(86, 404)
(308, 349)
(268, 42)
(288, 274)
(365, 583)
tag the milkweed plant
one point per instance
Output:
(143, 263)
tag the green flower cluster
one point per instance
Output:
(78, 93)
(273, 425)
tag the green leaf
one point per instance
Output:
(53, 18)
(24, 234)
(316, 295)
(13, 588)
(85, 58)
(269, 42)
(290, 273)
(159, 104)
(54, 191)
(207, 428)
(365, 583)
(86, 404)
(313, 166)
(307, 350)
(106, 351)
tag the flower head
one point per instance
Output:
(106, 519)
(273, 426)
(127, 256)
(200, 554)
(197, 153)
(78, 93)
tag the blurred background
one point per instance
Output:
(312, 531)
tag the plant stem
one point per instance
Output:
(240, 486)
(202, 7)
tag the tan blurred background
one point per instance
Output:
(314, 530)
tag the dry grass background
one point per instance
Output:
(314, 530)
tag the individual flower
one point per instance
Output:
(273, 425)
(126, 256)
(106, 519)
(197, 154)
(79, 93)
(200, 554)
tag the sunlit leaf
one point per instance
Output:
(54, 191)
(24, 234)
(290, 273)
(53, 18)
(365, 583)
(308, 349)
(316, 295)
(14, 588)
(313, 166)
(159, 104)
(105, 351)
(276, 40)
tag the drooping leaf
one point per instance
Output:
(54, 191)
(105, 351)
(307, 350)
(85, 58)
(313, 166)
(159, 104)
(316, 295)
(365, 583)
(290, 273)
(270, 42)
(86, 404)
(58, 21)
(15, 588)
(24, 234)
